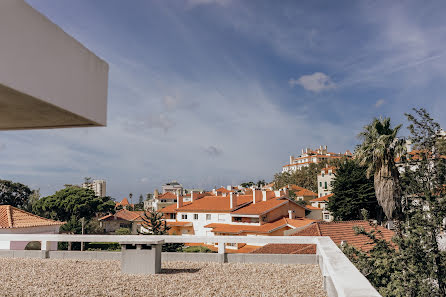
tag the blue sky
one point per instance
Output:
(217, 92)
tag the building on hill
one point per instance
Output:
(321, 203)
(339, 232)
(259, 213)
(17, 221)
(122, 219)
(324, 181)
(309, 156)
(98, 186)
(172, 187)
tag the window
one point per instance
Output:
(184, 216)
(320, 184)
(326, 217)
(322, 175)
(325, 184)
(208, 217)
(221, 217)
(195, 216)
(237, 219)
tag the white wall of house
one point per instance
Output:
(20, 245)
(199, 220)
(324, 181)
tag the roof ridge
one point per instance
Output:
(31, 214)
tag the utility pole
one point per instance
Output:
(83, 225)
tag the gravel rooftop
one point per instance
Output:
(50, 277)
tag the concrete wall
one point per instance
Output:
(20, 245)
(47, 78)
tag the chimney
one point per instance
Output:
(179, 201)
(229, 188)
(291, 159)
(277, 193)
(263, 195)
(290, 214)
(192, 196)
(256, 196)
(232, 200)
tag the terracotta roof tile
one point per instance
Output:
(265, 228)
(125, 215)
(323, 198)
(214, 204)
(12, 217)
(305, 192)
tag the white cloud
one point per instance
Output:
(316, 82)
(380, 102)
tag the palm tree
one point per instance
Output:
(380, 146)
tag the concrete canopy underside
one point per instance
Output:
(47, 78)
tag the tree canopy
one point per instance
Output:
(352, 192)
(14, 194)
(305, 177)
(73, 203)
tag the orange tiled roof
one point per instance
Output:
(168, 195)
(12, 217)
(265, 228)
(214, 204)
(295, 188)
(261, 207)
(326, 169)
(323, 198)
(124, 202)
(338, 232)
(125, 215)
(286, 249)
(223, 190)
(305, 192)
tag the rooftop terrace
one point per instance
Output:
(63, 277)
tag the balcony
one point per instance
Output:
(329, 269)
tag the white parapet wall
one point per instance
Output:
(47, 78)
(341, 277)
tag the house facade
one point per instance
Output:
(309, 156)
(17, 221)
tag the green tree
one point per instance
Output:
(378, 151)
(305, 177)
(71, 204)
(353, 192)
(33, 198)
(417, 267)
(14, 194)
(155, 224)
(247, 184)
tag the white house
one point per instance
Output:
(17, 221)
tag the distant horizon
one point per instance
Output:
(219, 92)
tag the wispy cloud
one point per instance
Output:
(316, 82)
(379, 103)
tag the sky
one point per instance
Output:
(219, 92)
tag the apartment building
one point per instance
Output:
(98, 186)
(172, 187)
(259, 213)
(324, 181)
(309, 156)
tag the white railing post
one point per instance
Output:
(221, 252)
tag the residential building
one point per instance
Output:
(124, 204)
(173, 187)
(321, 203)
(122, 219)
(259, 213)
(98, 186)
(309, 156)
(324, 181)
(340, 232)
(17, 221)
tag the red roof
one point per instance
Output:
(323, 198)
(337, 231)
(261, 207)
(168, 195)
(265, 228)
(12, 217)
(125, 215)
(326, 169)
(214, 204)
(124, 202)
(305, 192)
(310, 207)
(223, 190)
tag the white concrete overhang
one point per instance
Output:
(47, 78)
